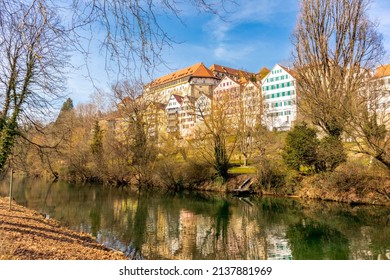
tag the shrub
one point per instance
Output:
(350, 182)
(330, 154)
(301, 147)
(270, 175)
(178, 175)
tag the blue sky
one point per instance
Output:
(254, 34)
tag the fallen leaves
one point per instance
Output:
(28, 235)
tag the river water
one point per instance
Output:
(197, 226)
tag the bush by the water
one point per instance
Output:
(350, 182)
(304, 152)
(270, 175)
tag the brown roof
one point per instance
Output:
(196, 70)
(231, 71)
(158, 105)
(263, 72)
(382, 71)
(178, 98)
(190, 98)
(256, 84)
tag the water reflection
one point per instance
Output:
(313, 240)
(157, 225)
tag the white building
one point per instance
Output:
(172, 110)
(187, 116)
(203, 107)
(227, 96)
(191, 81)
(279, 98)
(382, 76)
(252, 103)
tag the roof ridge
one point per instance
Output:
(197, 70)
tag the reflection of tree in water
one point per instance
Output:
(139, 228)
(222, 221)
(311, 240)
(214, 226)
(94, 219)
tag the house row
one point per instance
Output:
(187, 96)
(180, 101)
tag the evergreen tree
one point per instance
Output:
(301, 147)
(65, 109)
(97, 140)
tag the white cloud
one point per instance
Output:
(233, 53)
(223, 32)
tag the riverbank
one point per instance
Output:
(346, 186)
(27, 235)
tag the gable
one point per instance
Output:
(226, 82)
(196, 70)
(278, 72)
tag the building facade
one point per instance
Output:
(191, 81)
(228, 96)
(382, 76)
(279, 98)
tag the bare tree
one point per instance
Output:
(132, 35)
(370, 120)
(336, 47)
(36, 35)
(217, 134)
(250, 116)
(33, 55)
(133, 108)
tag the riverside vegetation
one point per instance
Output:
(281, 163)
(338, 98)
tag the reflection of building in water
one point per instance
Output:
(193, 236)
(361, 247)
(278, 247)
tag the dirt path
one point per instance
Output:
(28, 235)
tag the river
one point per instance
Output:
(206, 226)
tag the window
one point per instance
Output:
(288, 93)
(278, 94)
(273, 95)
(283, 93)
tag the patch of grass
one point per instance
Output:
(243, 170)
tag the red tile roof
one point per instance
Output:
(231, 71)
(196, 70)
(382, 71)
(178, 98)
